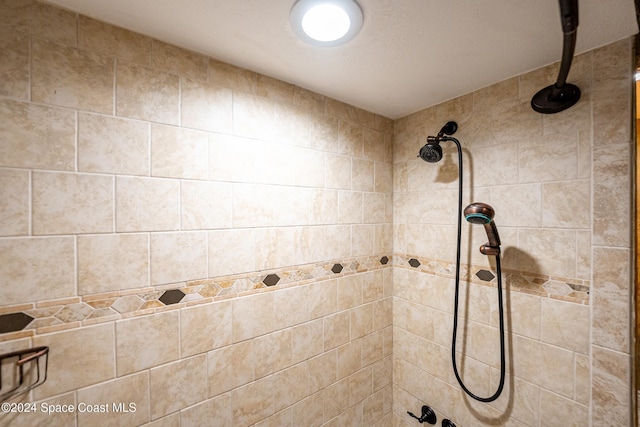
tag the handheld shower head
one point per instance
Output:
(432, 152)
(481, 213)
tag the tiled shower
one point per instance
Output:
(204, 245)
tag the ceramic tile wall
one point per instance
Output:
(198, 240)
(561, 188)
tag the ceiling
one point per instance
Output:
(410, 54)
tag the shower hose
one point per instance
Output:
(456, 299)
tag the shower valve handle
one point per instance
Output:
(428, 415)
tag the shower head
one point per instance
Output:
(481, 213)
(432, 152)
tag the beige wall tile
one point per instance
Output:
(109, 40)
(275, 89)
(253, 116)
(112, 145)
(293, 125)
(35, 136)
(252, 316)
(216, 411)
(566, 325)
(272, 353)
(562, 411)
(362, 177)
(291, 306)
(349, 358)
(147, 204)
(41, 417)
(174, 60)
(310, 101)
(112, 262)
(14, 210)
(177, 385)
(40, 267)
(148, 341)
(309, 168)
(323, 133)
(323, 298)
(336, 330)
(231, 158)
(291, 386)
(306, 340)
(205, 205)
(177, 257)
(337, 242)
(40, 19)
(554, 157)
(132, 392)
(275, 165)
(66, 203)
(610, 295)
(273, 247)
(70, 77)
(206, 106)
(253, 402)
(308, 412)
(335, 399)
(230, 367)
(565, 204)
(610, 393)
(70, 354)
(231, 251)
(350, 207)
(14, 69)
(146, 94)
(546, 366)
(280, 419)
(611, 187)
(350, 291)
(227, 75)
(179, 153)
(555, 251)
(323, 203)
(350, 139)
(205, 327)
(337, 171)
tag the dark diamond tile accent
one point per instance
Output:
(271, 280)
(337, 268)
(414, 263)
(485, 275)
(13, 322)
(173, 296)
(384, 260)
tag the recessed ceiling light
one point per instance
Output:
(326, 23)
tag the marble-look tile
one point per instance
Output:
(132, 392)
(97, 36)
(65, 203)
(309, 411)
(310, 101)
(291, 386)
(146, 342)
(362, 176)
(275, 89)
(336, 330)
(610, 293)
(293, 125)
(71, 77)
(37, 268)
(272, 353)
(554, 254)
(566, 325)
(175, 60)
(232, 158)
(206, 106)
(205, 327)
(252, 316)
(215, 411)
(349, 358)
(147, 204)
(306, 340)
(98, 255)
(253, 402)
(232, 77)
(350, 139)
(611, 188)
(177, 385)
(230, 367)
(40, 418)
(178, 257)
(14, 69)
(323, 134)
(564, 204)
(147, 94)
(231, 251)
(610, 393)
(70, 354)
(205, 205)
(548, 158)
(179, 153)
(348, 112)
(34, 136)
(308, 168)
(41, 20)
(14, 210)
(547, 366)
(112, 145)
(337, 171)
(253, 116)
(291, 306)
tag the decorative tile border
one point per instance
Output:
(562, 288)
(27, 320)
